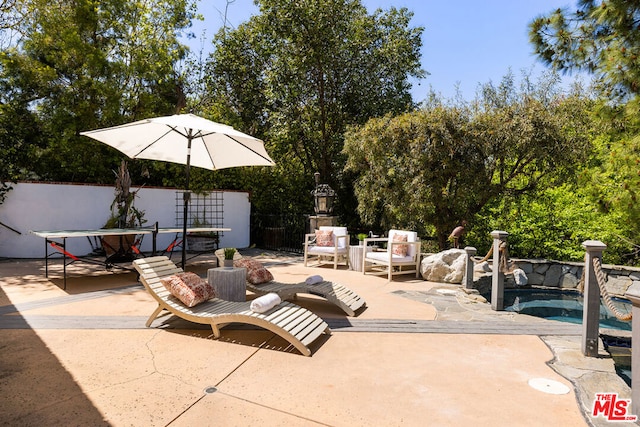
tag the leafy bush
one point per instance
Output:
(553, 225)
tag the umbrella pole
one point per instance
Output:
(184, 228)
(187, 198)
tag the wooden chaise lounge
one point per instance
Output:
(335, 293)
(295, 324)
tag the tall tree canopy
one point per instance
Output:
(601, 37)
(10, 16)
(81, 65)
(430, 169)
(301, 71)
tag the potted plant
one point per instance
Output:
(123, 215)
(361, 237)
(229, 253)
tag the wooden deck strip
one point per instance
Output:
(543, 328)
(496, 327)
(67, 299)
(72, 322)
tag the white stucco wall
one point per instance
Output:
(43, 206)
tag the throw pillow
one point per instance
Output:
(400, 250)
(189, 288)
(324, 238)
(256, 272)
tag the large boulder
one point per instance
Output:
(482, 267)
(444, 267)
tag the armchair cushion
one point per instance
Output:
(412, 236)
(337, 232)
(324, 238)
(400, 250)
(383, 257)
(326, 250)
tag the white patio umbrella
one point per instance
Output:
(185, 139)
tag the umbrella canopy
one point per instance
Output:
(185, 139)
(213, 145)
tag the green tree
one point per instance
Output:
(10, 15)
(300, 72)
(601, 37)
(430, 169)
(553, 223)
(612, 183)
(18, 139)
(82, 65)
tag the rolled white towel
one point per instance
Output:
(265, 302)
(312, 280)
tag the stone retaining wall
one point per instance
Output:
(567, 275)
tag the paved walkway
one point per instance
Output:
(421, 353)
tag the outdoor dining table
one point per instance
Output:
(57, 239)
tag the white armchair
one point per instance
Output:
(401, 257)
(327, 243)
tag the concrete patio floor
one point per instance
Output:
(82, 356)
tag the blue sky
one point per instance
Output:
(465, 42)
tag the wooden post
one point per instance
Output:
(591, 305)
(497, 277)
(468, 272)
(635, 355)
